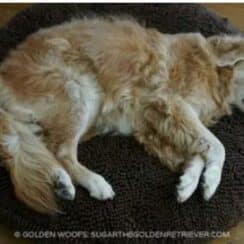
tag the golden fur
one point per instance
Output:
(93, 76)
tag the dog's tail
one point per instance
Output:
(29, 163)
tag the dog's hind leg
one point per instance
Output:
(175, 123)
(33, 169)
(83, 104)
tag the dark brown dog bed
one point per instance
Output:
(145, 199)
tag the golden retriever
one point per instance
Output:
(89, 77)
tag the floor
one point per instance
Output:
(235, 14)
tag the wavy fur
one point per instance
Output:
(93, 76)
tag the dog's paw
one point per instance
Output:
(186, 187)
(63, 185)
(99, 188)
(211, 180)
(190, 179)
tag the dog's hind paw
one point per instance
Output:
(63, 185)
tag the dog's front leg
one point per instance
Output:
(171, 123)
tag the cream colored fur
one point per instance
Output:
(68, 83)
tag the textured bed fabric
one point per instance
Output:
(145, 189)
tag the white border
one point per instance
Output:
(121, 1)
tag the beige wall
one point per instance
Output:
(235, 12)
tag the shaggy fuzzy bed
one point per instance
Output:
(145, 199)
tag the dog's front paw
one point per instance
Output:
(187, 186)
(190, 179)
(211, 180)
(213, 171)
(99, 188)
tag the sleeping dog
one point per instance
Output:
(88, 77)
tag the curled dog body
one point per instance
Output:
(90, 77)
